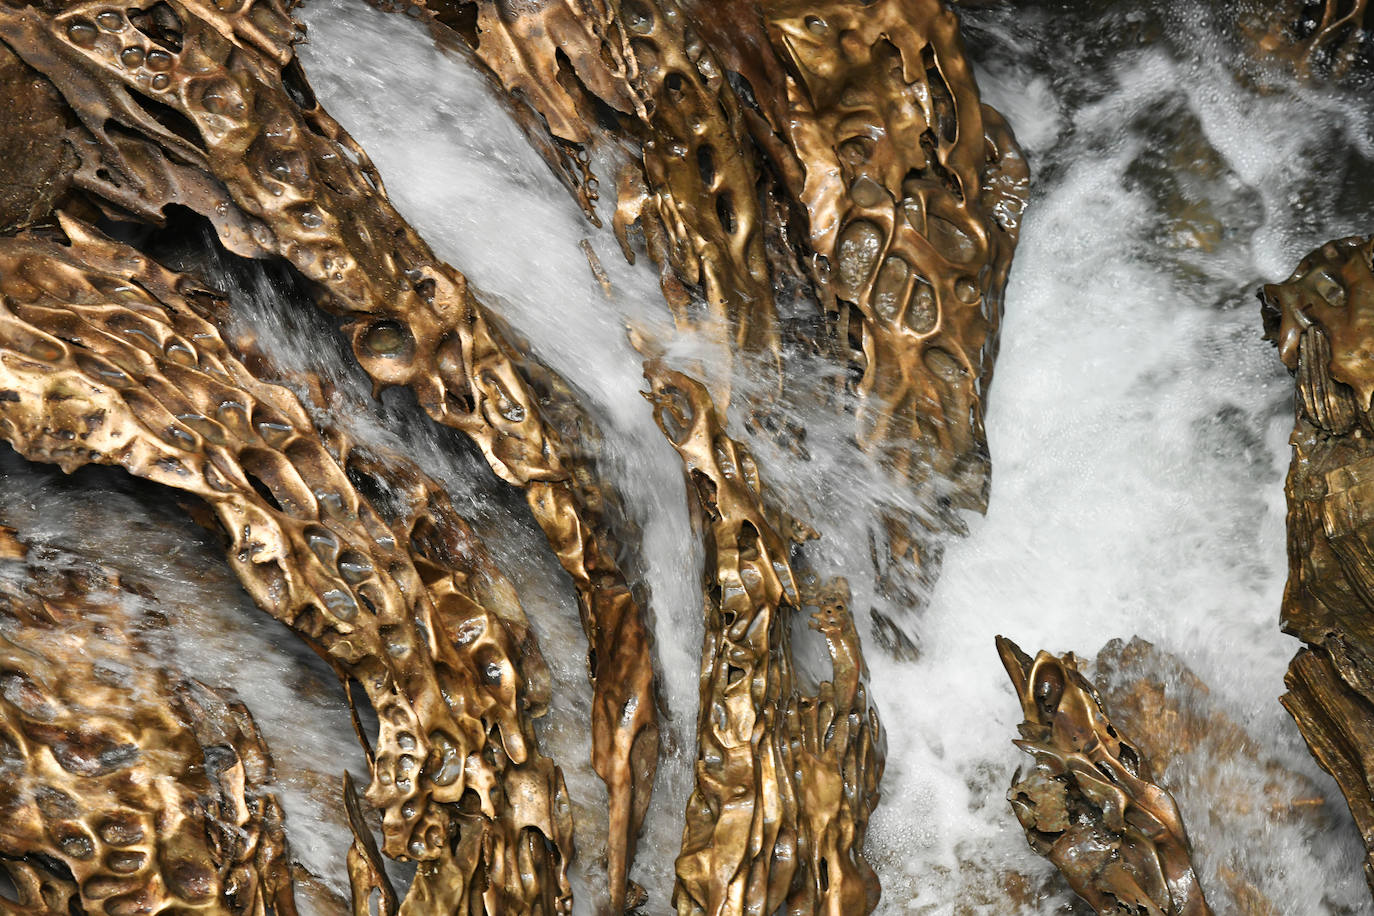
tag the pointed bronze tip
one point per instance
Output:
(366, 869)
(1017, 663)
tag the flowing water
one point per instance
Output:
(1138, 428)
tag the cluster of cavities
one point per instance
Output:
(835, 147)
(838, 147)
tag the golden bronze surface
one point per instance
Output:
(136, 376)
(913, 191)
(1091, 804)
(785, 781)
(839, 151)
(125, 787)
(905, 190)
(693, 197)
(1322, 319)
(216, 116)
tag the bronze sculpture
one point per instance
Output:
(838, 146)
(1091, 804)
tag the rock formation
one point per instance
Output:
(1320, 318)
(1091, 804)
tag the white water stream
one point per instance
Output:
(1137, 425)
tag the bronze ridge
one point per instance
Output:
(785, 782)
(1091, 804)
(105, 357)
(128, 788)
(850, 132)
(204, 106)
(1320, 319)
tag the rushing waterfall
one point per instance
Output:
(1137, 426)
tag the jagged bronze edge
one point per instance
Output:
(1319, 320)
(911, 215)
(1090, 803)
(693, 193)
(104, 358)
(910, 221)
(785, 782)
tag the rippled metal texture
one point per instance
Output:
(785, 781)
(1322, 319)
(913, 191)
(106, 357)
(204, 106)
(1091, 804)
(852, 132)
(124, 786)
(692, 200)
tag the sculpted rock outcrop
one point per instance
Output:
(1091, 804)
(1322, 319)
(785, 781)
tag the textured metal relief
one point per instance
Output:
(1321, 320)
(693, 199)
(124, 787)
(899, 187)
(849, 137)
(913, 191)
(203, 106)
(105, 358)
(785, 782)
(1091, 804)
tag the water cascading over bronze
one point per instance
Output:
(839, 151)
(1322, 319)
(1091, 804)
(105, 357)
(851, 137)
(127, 787)
(856, 143)
(785, 781)
(204, 107)
(911, 192)
(691, 198)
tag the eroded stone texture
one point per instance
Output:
(124, 786)
(785, 781)
(1091, 803)
(204, 106)
(912, 191)
(1322, 319)
(105, 357)
(899, 188)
